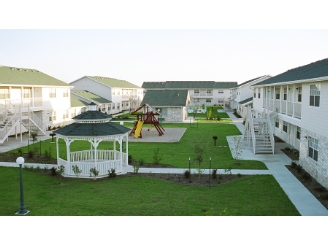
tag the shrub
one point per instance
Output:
(214, 175)
(287, 149)
(187, 174)
(299, 168)
(319, 188)
(94, 172)
(20, 152)
(31, 153)
(141, 162)
(112, 173)
(324, 195)
(130, 159)
(293, 164)
(238, 175)
(76, 170)
(53, 171)
(306, 176)
(61, 169)
(136, 168)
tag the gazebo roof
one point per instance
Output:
(92, 129)
(92, 115)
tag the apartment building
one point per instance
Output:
(200, 92)
(31, 101)
(299, 113)
(121, 95)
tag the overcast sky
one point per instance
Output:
(175, 51)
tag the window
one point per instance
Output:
(313, 148)
(285, 93)
(26, 93)
(299, 94)
(65, 94)
(278, 93)
(196, 91)
(53, 116)
(52, 92)
(298, 132)
(254, 93)
(65, 115)
(220, 91)
(259, 93)
(277, 123)
(208, 100)
(284, 126)
(314, 96)
(209, 91)
(4, 93)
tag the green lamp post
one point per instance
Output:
(22, 209)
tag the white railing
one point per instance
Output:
(297, 109)
(270, 133)
(290, 108)
(86, 155)
(23, 102)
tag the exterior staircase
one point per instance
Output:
(12, 117)
(258, 131)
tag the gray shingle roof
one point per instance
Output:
(246, 100)
(189, 85)
(166, 98)
(92, 115)
(313, 70)
(92, 129)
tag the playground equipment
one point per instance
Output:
(146, 115)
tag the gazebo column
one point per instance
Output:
(121, 147)
(68, 152)
(127, 150)
(94, 143)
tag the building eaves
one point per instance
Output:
(89, 96)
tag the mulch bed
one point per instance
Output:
(311, 184)
(290, 154)
(29, 158)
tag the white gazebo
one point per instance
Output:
(93, 126)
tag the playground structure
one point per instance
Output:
(146, 116)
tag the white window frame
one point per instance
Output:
(313, 148)
(315, 93)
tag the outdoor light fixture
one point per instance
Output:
(22, 209)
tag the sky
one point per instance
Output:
(183, 47)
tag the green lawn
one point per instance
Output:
(175, 154)
(258, 195)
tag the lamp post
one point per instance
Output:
(189, 172)
(22, 209)
(209, 174)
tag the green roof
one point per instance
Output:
(92, 129)
(189, 85)
(25, 76)
(165, 98)
(113, 82)
(89, 96)
(311, 71)
(75, 102)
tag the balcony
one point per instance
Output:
(202, 94)
(293, 109)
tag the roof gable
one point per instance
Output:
(166, 98)
(311, 71)
(25, 76)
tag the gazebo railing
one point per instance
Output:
(107, 159)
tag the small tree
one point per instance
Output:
(237, 149)
(157, 157)
(199, 151)
(209, 113)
